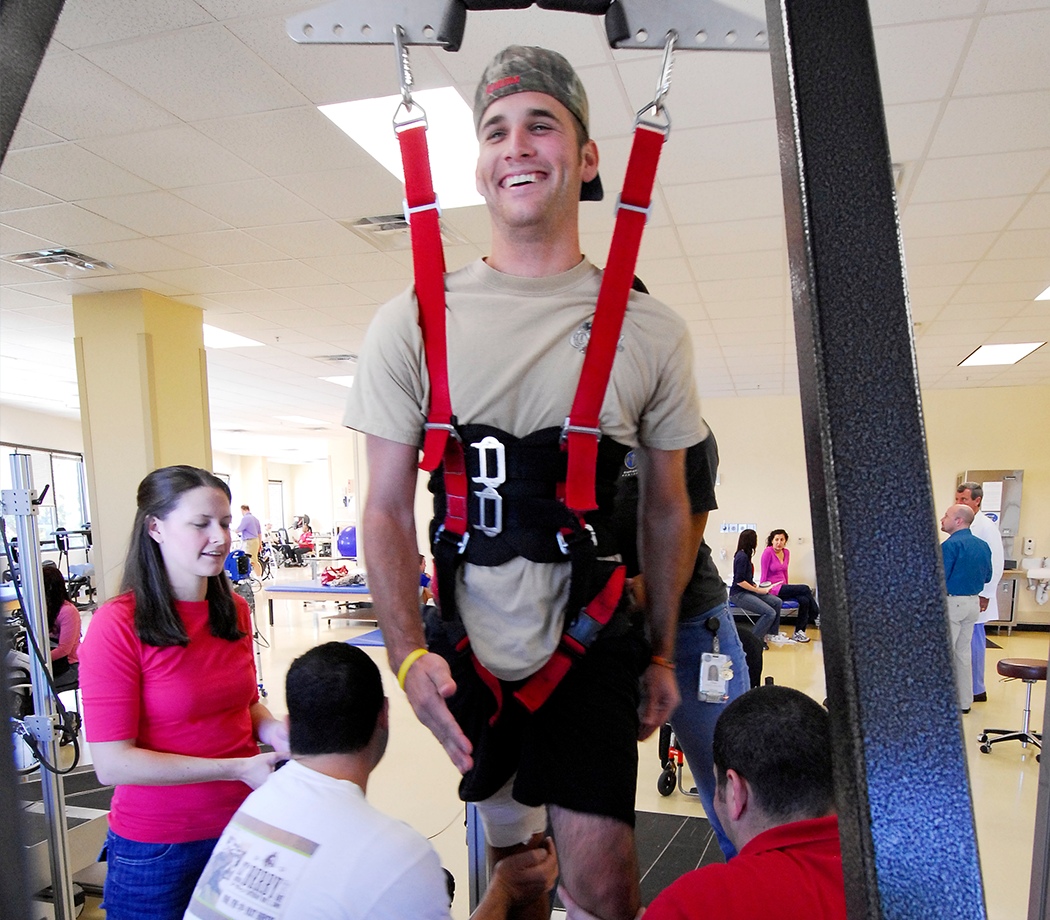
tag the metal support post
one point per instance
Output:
(908, 842)
(1039, 892)
(477, 858)
(20, 502)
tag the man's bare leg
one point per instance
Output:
(539, 909)
(599, 865)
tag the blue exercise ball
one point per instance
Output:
(346, 542)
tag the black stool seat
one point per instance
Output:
(1022, 668)
(1029, 670)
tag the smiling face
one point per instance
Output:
(531, 163)
(194, 540)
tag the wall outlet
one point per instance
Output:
(1029, 546)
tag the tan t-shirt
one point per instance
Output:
(516, 347)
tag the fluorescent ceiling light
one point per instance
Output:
(1045, 295)
(450, 138)
(220, 338)
(1000, 354)
(347, 380)
(301, 420)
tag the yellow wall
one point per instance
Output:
(763, 466)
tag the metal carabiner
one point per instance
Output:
(404, 75)
(663, 87)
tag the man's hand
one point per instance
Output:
(528, 875)
(428, 684)
(984, 603)
(659, 699)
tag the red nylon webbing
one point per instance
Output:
(428, 258)
(608, 318)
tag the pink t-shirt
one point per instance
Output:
(193, 700)
(773, 569)
(66, 632)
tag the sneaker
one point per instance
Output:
(800, 636)
(778, 639)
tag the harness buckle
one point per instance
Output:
(568, 427)
(584, 629)
(459, 541)
(493, 475)
(575, 537)
(647, 211)
(435, 205)
(441, 426)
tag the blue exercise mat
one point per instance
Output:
(373, 637)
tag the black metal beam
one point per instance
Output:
(908, 842)
(26, 27)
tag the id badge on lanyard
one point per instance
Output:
(716, 671)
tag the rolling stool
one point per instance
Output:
(1028, 670)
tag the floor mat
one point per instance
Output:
(373, 637)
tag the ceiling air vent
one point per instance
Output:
(390, 231)
(62, 262)
(338, 359)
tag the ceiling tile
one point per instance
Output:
(75, 99)
(941, 274)
(909, 126)
(1016, 121)
(14, 241)
(1035, 270)
(741, 289)
(734, 236)
(327, 297)
(664, 271)
(982, 215)
(984, 176)
(733, 199)
(1035, 214)
(155, 213)
(1008, 54)
(143, 255)
(99, 22)
(281, 274)
(15, 195)
(348, 194)
(70, 172)
(222, 247)
(932, 250)
(674, 295)
(29, 135)
(253, 203)
(312, 238)
(722, 152)
(918, 61)
(172, 157)
(287, 141)
(67, 225)
(770, 262)
(895, 12)
(991, 293)
(196, 74)
(1018, 244)
(206, 280)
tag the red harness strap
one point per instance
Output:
(581, 428)
(428, 259)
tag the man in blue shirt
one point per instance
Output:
(967, 567)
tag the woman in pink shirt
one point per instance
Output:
(775, 558)
(171, 704)
(63, 621)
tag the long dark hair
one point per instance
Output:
(773, 533)
(157, 621)
(746, 542)
(55, 594)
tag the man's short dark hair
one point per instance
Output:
(779, 740)
(334, 695)
(976, 490)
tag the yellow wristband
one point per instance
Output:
(410, 659)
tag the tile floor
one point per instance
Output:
(417, 783)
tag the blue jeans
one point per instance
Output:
(693, 721)
(151, 881)
(764, 606)
(978, 645)
(808, 611)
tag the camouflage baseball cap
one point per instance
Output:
(521, 69)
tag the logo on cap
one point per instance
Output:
(499, 84)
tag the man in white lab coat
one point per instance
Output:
(971, 494)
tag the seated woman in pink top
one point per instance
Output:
(63, 621)
(171, 702)
(775, 558)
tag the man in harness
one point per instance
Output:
(534, 666)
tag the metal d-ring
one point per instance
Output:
(404, 75)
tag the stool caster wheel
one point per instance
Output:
(665, 784)
(982, 737)
(986, 749)
(1038, 758)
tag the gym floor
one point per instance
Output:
(417, 783)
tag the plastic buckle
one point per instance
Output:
(449, 536)
(435, 205)
(585, 630)
(568, 427)
(575, 536)
(647, 211)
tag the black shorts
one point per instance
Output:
(579, 750)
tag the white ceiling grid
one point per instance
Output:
(180, 141)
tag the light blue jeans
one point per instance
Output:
(693, 721)
(764, 606)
